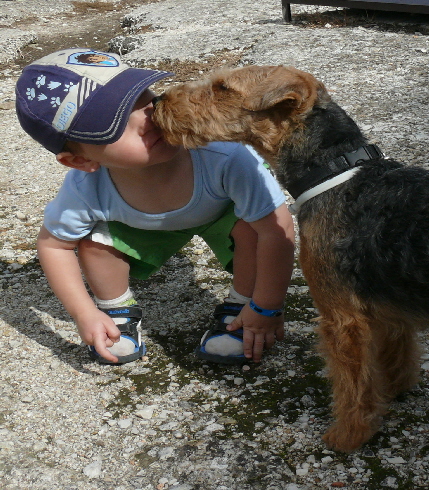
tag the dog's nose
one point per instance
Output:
(156, 99)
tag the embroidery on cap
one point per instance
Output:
(41, 80)
(41, 84)
(92, 58)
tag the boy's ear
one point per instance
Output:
(77, 161)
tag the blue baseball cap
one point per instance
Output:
(79, 95)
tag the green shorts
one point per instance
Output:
(148, 250)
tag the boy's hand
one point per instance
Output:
(98, 329)
(259, 331)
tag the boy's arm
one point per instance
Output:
(60, 264)
(275, 256)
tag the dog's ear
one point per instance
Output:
(263, 101)
(281, 85)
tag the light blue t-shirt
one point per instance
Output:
(223, 173)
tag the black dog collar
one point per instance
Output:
(336, 166)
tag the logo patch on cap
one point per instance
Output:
(92, 58)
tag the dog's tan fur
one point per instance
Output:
(370, 346)
(237, 104)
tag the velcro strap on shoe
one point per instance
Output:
(123, 311)
(227, 309)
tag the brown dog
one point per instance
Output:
(363, 222)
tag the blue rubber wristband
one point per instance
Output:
(263, 311)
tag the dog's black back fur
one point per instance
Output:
(377, 223)
(328, 133)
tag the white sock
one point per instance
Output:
(234, 297)
(126, 299)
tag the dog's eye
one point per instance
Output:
(222, 86)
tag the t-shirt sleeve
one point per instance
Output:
(251, 185)
(71, 215)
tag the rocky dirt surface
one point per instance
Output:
(170, 421)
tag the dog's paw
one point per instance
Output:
(345, 440)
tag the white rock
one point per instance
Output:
(93, 470)
(396, 460)
(214, 427)
(145, 413)
(166, 453)
(390, 482)
(39, 446)
(125, 423)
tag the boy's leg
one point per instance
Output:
(219, 345)
(106, 271)
(113, 251)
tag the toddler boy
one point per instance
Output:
(130, 201)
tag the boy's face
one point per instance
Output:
(141, 144)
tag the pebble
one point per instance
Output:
(165, 453)
(327, 459)
(125, 423)
(145, 413)
(93, 470)
(390, 482)
(39, 446)
(396, 460)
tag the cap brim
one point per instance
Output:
(103, 117)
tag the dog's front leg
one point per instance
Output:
(346, 340)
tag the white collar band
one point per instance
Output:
(318, 189)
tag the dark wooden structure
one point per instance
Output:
(412, 6)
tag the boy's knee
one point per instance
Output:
(87, 247)
(243, 231)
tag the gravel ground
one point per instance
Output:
(169, 421)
